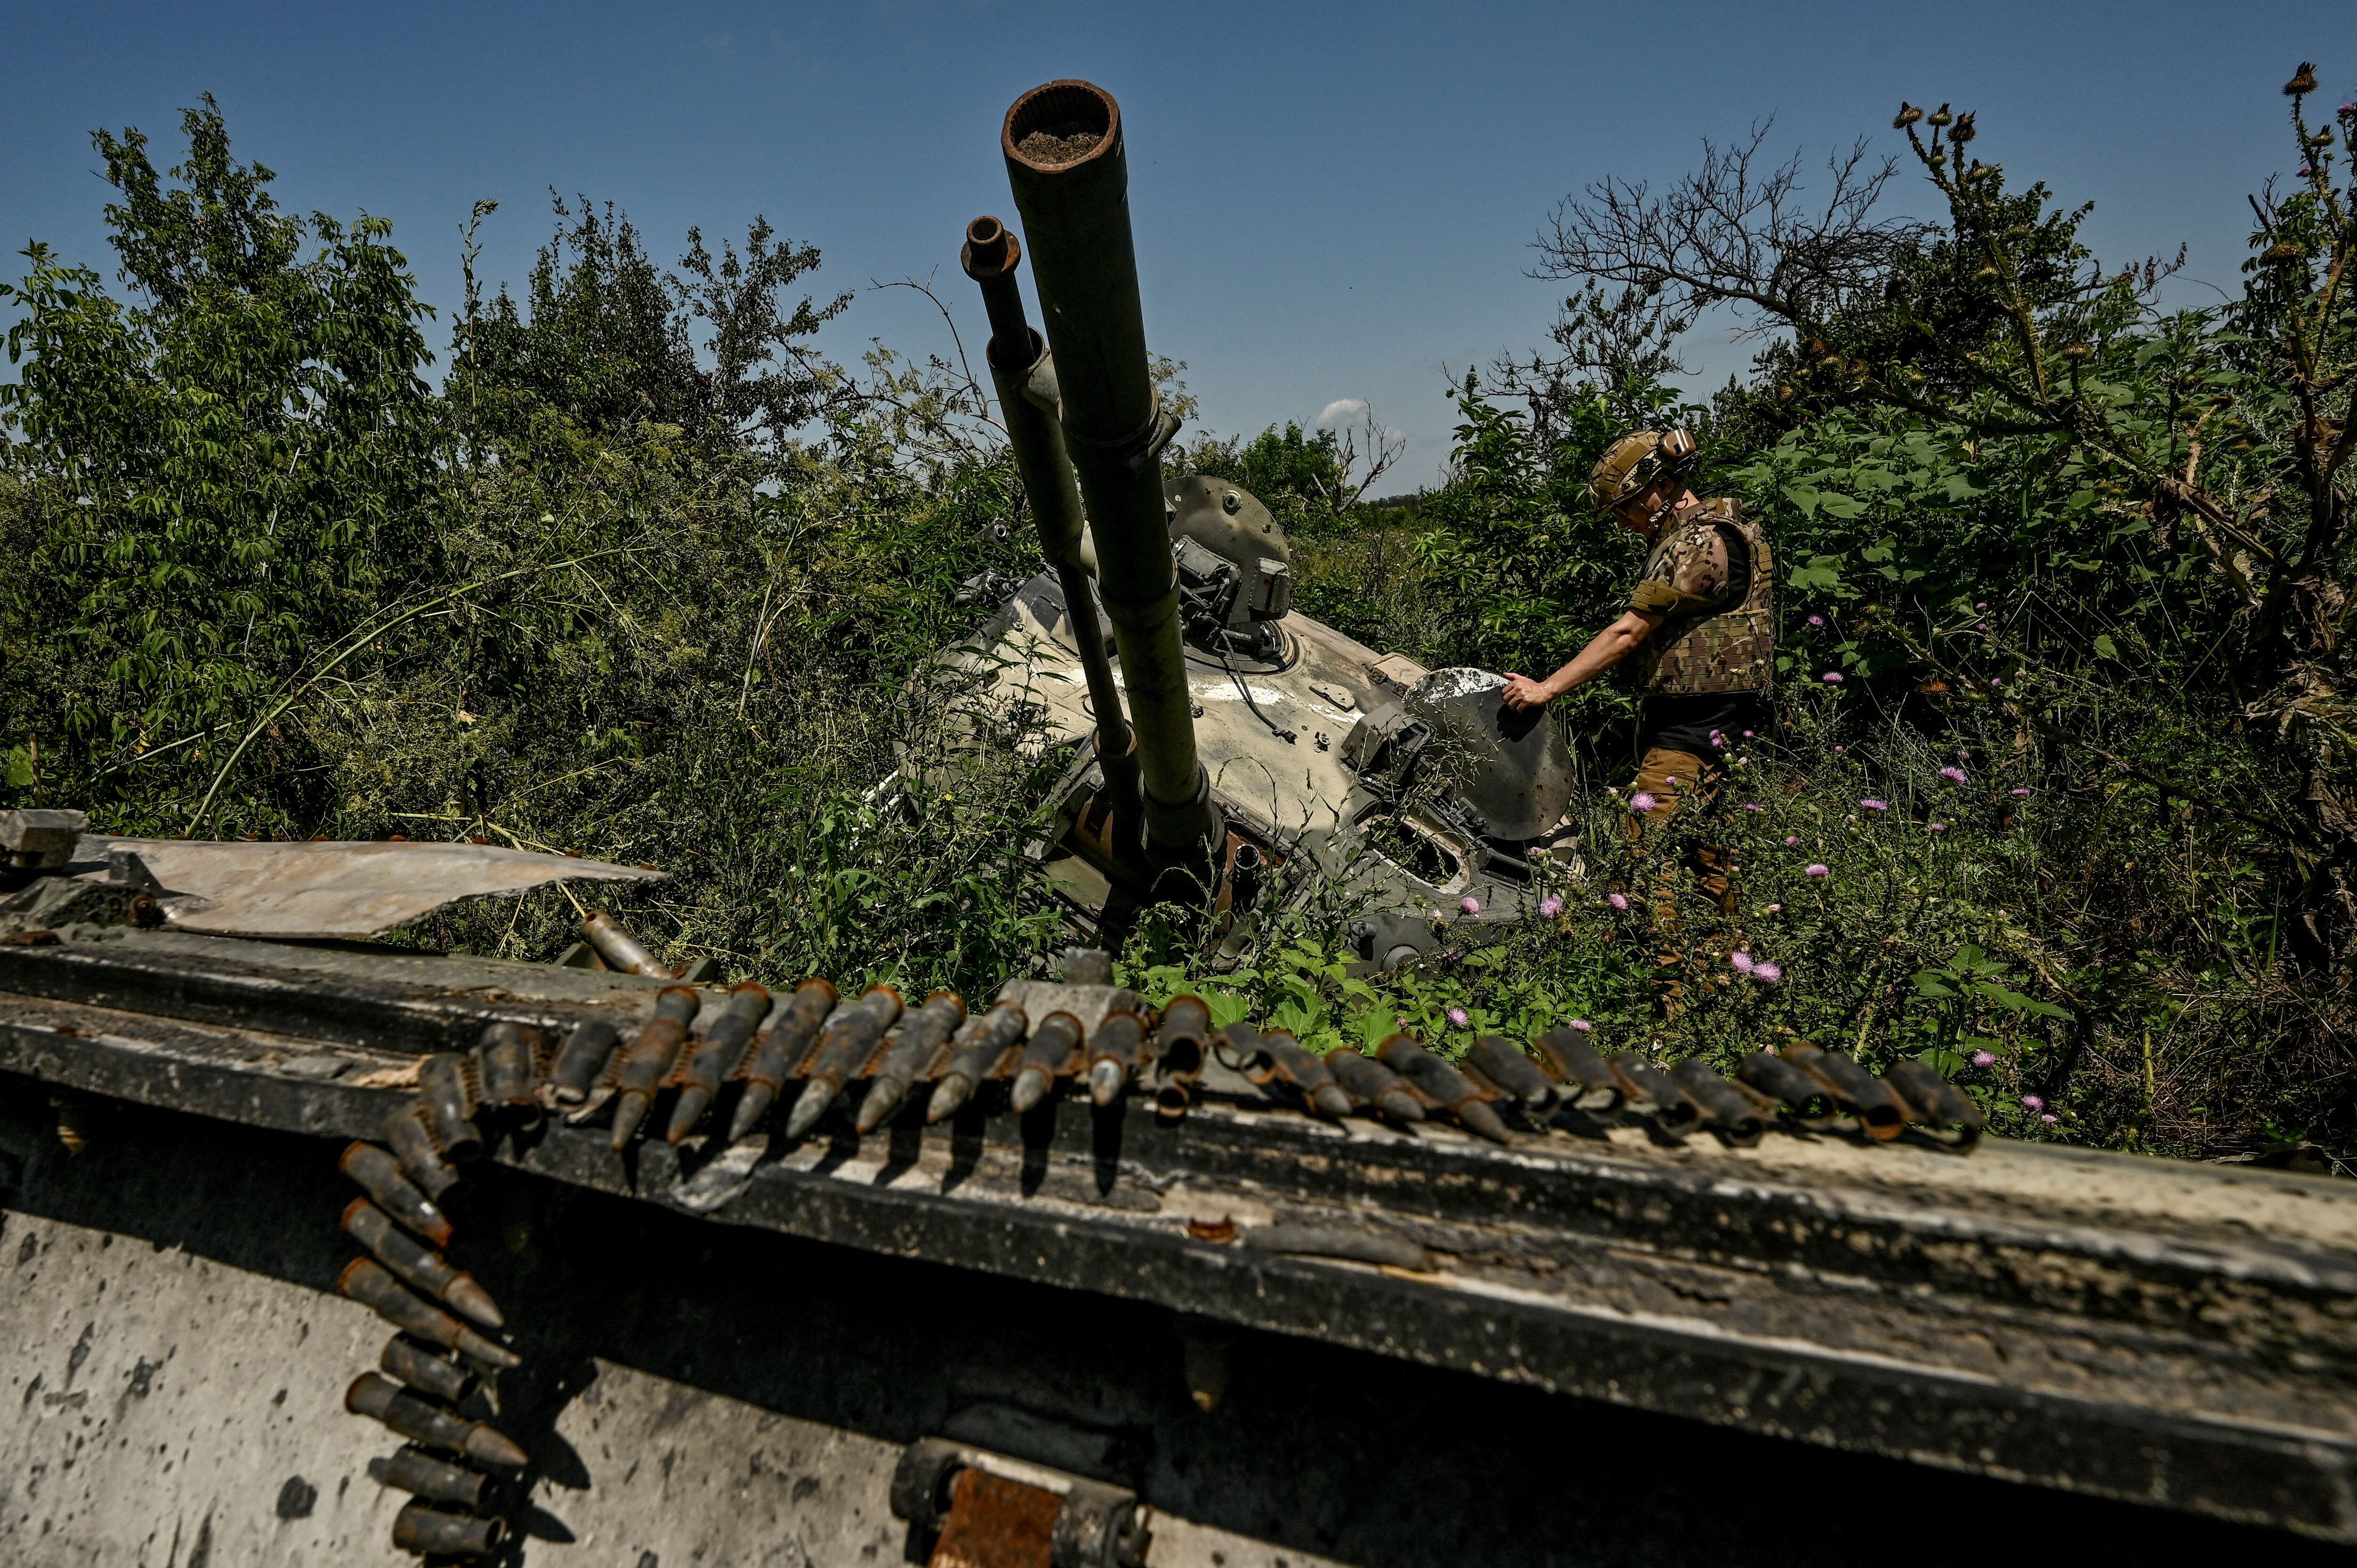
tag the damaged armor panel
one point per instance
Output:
(1713, 572)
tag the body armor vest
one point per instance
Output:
(1697, 650)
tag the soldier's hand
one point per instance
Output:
(1521, 691)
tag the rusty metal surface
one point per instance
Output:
(2173, 1334)
(347, 890)
(993, 1522)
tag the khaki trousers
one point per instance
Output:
(1678, 781)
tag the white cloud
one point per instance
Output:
(1343, 411)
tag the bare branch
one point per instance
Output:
(1736, 231)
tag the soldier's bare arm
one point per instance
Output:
(1605, 650)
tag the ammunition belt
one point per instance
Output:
(872, 1059)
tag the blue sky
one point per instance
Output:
(1333, 202)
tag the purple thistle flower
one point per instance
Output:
(1642, 801)
(1753, 806)
(2304, 171)
(1536, 853)
(1739, 961)
(1982, 605)
(1582, 1024)
(1767, 973)
(1791, 840)
(1775, 908)
(1816, 621)
(1831, 677)
(1817, 869)
(1457, 1016)
(2018, 793)
(1747, 735)
(1668, 778)
(1719, 743)
(1952, 775)
(2049, 1119)
(1549, 908)
(1995, 682)
(1471, 906)
(2348, 109)
(1870, 803)
(1982, 1058)
(1619, 901)
(1936, 827)
(2031, 1103)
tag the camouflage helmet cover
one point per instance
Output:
(1634, 462)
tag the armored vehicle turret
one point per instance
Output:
(1237, 747)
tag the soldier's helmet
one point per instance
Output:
(1635, 461)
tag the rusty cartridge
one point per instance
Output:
(620, 949)
(650, 1058)
(1445, 1085)
(778, 1054)
(418, 1472)
(1180, 1037)
(421, 1420)
(1643, 1082)
(1724, 1108)
(366, 1281)
(1943, 1109)
(447, 1105)
(1859, 1091)
(1590, 1083)
(379, 1175)
(413, 1145)
(420, 1266)
(1245, 1048)
(429, 1531)
(974, 1054)
(1115, 1051)
(721, 1053)
(846, 1044)
(508, 1059)
(425, 1369)
(1808, 1100)
(1369, 1082)
(1503, 1063)
(1047, 1056)
(909, 1054)
(1281, 1058)
(582, 1060)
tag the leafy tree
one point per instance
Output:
(212, 474)
(608, 339)
(2211, 444)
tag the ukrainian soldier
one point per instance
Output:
(1699, 633)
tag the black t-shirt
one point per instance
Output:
(1683, 721)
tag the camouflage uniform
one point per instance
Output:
(1712, 575)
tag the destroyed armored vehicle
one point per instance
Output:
(1237, 748)
(320, 1253)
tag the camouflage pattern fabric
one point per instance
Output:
(1718, 636)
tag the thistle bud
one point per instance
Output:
(1908, 116)
(2074, 352)
(2303, 80)
(1988, 272)
(1940, 117)
(1963, 130)
(2282, 254)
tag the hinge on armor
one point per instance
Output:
(987, 1511)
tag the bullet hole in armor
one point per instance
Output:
(297, 1498)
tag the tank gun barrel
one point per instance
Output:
(1065, 160)
(1024, 374)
